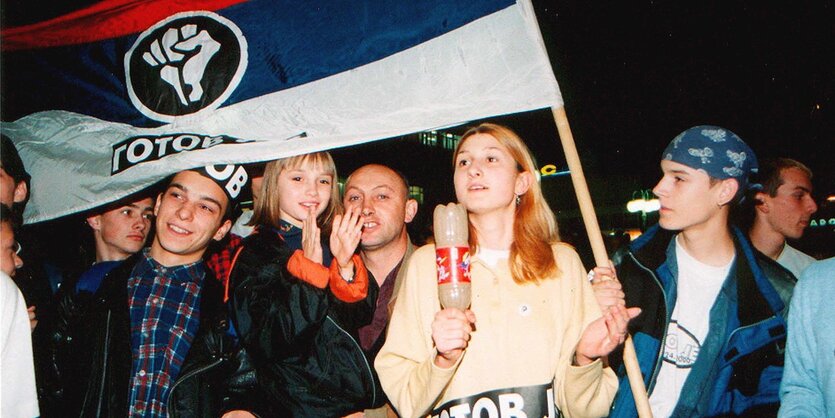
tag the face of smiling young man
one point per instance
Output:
(189, 214)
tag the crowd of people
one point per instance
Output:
(318, 304)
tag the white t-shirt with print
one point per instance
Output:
(698, 285)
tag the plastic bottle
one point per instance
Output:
(452, 255)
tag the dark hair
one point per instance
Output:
(7, 215)
(769, 178)
(10, 160)
(233, 208)
(770, 175)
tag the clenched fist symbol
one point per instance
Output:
(184, 55)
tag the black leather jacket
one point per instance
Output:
(91, 354)
(302, 340)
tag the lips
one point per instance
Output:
(476, 187)
(136, 237)
(178, 230)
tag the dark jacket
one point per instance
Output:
(302, 340)
(740, 363)
(92, 355)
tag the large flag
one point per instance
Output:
(107, 100)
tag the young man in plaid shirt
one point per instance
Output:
(152, 340)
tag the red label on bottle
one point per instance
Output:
(453, 264)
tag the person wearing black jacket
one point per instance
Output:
(298, 319)
(153, 339)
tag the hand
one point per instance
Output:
(451, 333)
(238, 414)
(33, 321)
(360, 414)
(312, 238)
(184, 55)
(602, 336)
(607, 289)
(345, 236)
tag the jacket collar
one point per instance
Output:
(401, 274)
(114, 289)
(755, 296)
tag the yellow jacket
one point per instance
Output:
(525, 335)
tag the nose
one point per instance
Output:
(185, 212)
(659, 188)
(311, 189)
(138, 223)
(367, 209)
(473, 170)
(811, 206)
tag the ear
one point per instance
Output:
(761, 202)
(727, 191)
(523, 183)
(224, 228)
(156, 205)
(94, 222)
(21, 192)
(411, 210)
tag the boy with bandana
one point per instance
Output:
(712, 332)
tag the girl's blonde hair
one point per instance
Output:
(534, 227)
(267, 209)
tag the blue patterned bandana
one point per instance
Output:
(717, 151)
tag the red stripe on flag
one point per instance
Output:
(104, 20)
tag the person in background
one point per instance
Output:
(219, 255)
(18, 394)
(711, 337)
(31, 279)
(382, 196)
(782, 210)
(533, 338)
(808, 387)
(119, 231)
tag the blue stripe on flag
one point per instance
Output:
(290, 43)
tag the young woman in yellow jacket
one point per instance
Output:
(533, 339)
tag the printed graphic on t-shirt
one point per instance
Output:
(681, 347)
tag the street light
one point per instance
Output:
(643, 201)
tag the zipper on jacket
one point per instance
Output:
(362, 355)
(660, 356)
(104, 369)
(173, 413)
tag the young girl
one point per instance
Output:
(534, 335)
(296, 318)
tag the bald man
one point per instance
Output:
(383, 195)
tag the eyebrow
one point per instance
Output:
(199, 197)
(135, 206)
(676, 171)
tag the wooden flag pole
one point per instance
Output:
(581, 188)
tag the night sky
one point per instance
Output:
(634, 74)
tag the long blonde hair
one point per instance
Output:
(534, 227)
(267, 209)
